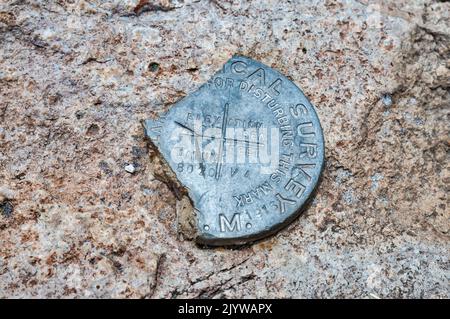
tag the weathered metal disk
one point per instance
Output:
(248, 148)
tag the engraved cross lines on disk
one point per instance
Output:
(223, 138)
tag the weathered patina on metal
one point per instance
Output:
(248, 148)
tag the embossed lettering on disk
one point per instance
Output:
(247, 150)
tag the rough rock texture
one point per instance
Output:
(76, 78)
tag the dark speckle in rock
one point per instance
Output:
(138, 152)
(105, 168)
(93, 130)
(153, 67)
(387, 99)
(79, 115)
(6, 208)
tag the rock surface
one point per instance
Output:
(77, 77)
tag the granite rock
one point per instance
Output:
(77, 77)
